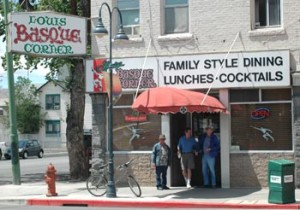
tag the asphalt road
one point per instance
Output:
(33, 169)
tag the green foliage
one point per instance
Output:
(29, 117)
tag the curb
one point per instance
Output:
(58, 154)
(153, 204)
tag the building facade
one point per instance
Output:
(54, 100)
(245, 53)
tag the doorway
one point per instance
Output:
(198, 122)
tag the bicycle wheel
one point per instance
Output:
(134, 186)
(96, 185)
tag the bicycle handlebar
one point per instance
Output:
(125, 164)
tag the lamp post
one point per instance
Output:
(12, 105)
(100, 30)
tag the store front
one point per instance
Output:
(253, 86)
(197, 122)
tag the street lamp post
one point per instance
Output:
(101, 30)
(12, 105)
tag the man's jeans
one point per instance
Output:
(161, 176)
(208, 168)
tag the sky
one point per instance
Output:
(36, 76)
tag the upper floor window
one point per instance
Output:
(176, 16)
(130, 10)
(267, 13)
(53, 102)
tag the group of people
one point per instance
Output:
(208, 147)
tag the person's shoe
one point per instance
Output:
(159, 188)
(206, 186)
(188, 185)
(165, 188)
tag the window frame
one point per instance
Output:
(164, 7)
(53, 103)
(129, 26)
(260, 101)
(267, 26)
(53, 123)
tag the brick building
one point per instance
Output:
(246, 53)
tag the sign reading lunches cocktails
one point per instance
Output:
(47, 34)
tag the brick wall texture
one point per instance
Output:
(251, 169)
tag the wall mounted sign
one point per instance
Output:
(266, 133)
(130, 73)
(244, 69)
(47, 34)
(134, 118)
(260, 113)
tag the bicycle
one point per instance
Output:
(96, 184)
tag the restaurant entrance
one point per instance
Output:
(198, 122)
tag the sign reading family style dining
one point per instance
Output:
(47, 34)
(242, 69)
(245, 69)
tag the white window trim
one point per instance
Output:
(139, 25)
(164, 36)
(271, 30)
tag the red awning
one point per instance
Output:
(172, 100)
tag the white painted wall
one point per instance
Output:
(213, 27)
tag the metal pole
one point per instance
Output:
(12, 106)
(111, 189)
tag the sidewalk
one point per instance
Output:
(76, 194)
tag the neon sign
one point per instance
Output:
(260, 113)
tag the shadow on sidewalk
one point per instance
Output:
(204, 193)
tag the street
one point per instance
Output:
(33, 169)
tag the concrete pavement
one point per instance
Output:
(75, 193)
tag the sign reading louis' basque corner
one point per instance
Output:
(47, 34)
(245, 69)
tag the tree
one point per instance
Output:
(29, 117)
(75, 84)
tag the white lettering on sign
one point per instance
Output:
(275, 179)
(288, 178)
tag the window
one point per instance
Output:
(134, 131)
(53, 102)
(130, 10)
(267, 13)
(261, 124)
(176, 16)
(53, 127)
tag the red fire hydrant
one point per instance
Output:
(50, 178)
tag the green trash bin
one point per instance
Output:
(281, 181)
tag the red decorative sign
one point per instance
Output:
(47, 34)
(260, 113)
(133, 118)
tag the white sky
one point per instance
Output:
(36, 76)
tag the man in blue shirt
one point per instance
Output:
(186, 150)
(209, 145)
